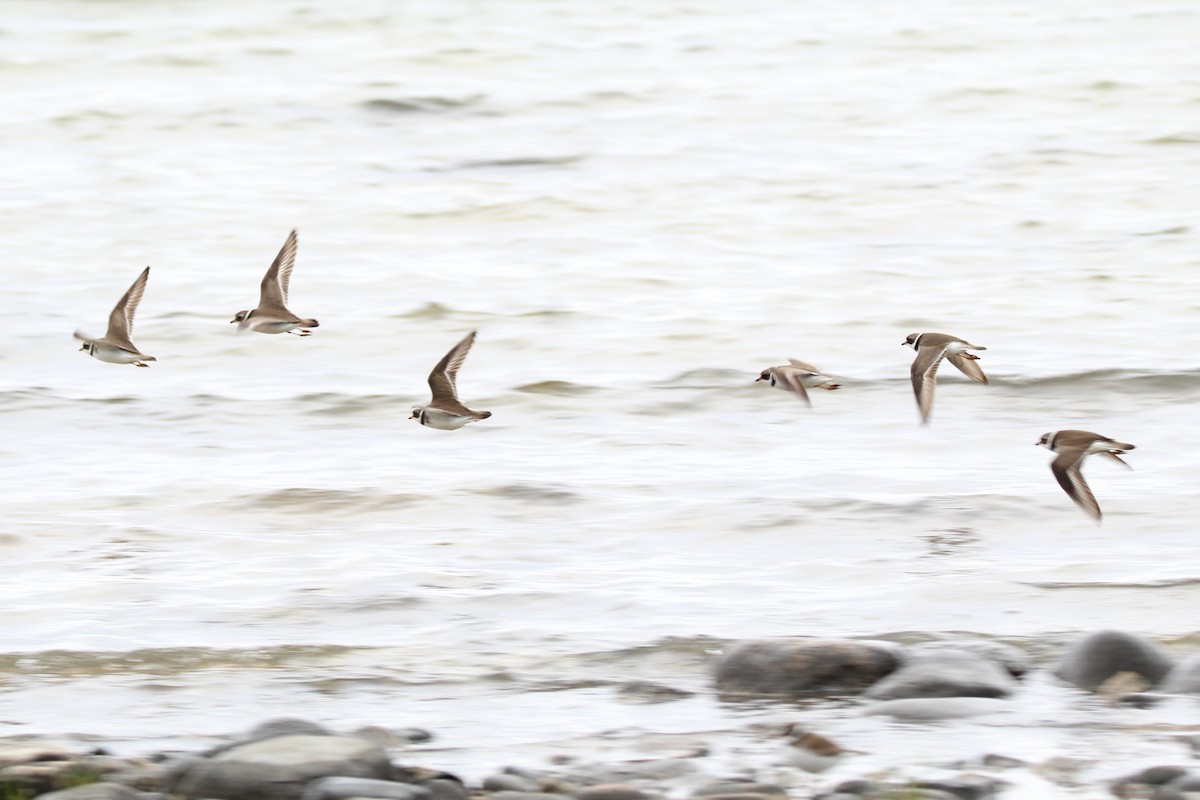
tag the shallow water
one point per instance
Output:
(639, 208)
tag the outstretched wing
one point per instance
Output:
(120, 321)
(273, 293)
(443, 381)
(924, 377)
(793, 380)
(1067, 472)
(968, 366)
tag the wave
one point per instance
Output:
(1163, 583)
(1186, 379)
(163, 660)
(510, 163)
(421, 105)
(304, 500)
(533, 493)
(558, 388)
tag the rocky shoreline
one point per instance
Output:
(928, 683)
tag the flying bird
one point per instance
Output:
(444, 411)
(115, 346)
(1072, 448)
(799, 377)
(931, 349)
(272, 315)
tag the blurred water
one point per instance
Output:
(639, 207)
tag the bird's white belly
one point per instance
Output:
(443, 420)
(114, 355)
(270, 325)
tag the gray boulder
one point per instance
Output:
(944, 673)
(1014, 660)
(279, 768)
(271, 729)
(1098, 656)
(792, 667)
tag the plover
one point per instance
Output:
(115, 346)
(931, 349)
(444, 411)
(272, 315)
(812, 752)
(1072, 448)
(799, 377)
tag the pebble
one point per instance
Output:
(506, 782)
(729, 789)
(612, 791)
(95, 791)
(529, 796)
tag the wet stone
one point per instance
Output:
(1184, 677)
(729, 788)
(944, 673)
(445, 789)
(803, 666)
(337, 788)
(11, 754)
(1013, 660)
(612, 791)
(95, 791)
(964, 788)
(935, 708)
(1098, 656)
(505, 782)
(649, 770)
(529, 796)
(279, 768)
(1185, 783)
(271, 729)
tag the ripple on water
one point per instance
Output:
(421, 105)
(559, 388)
(304, 500)
(533, 493)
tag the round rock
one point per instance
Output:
(1098, 656)
(95, 791)
(505, 782)
(279, 768)
(731, 788)
(612, 791)
(338, 788)
(1014, 661)
(944, 673)
(803, 666)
